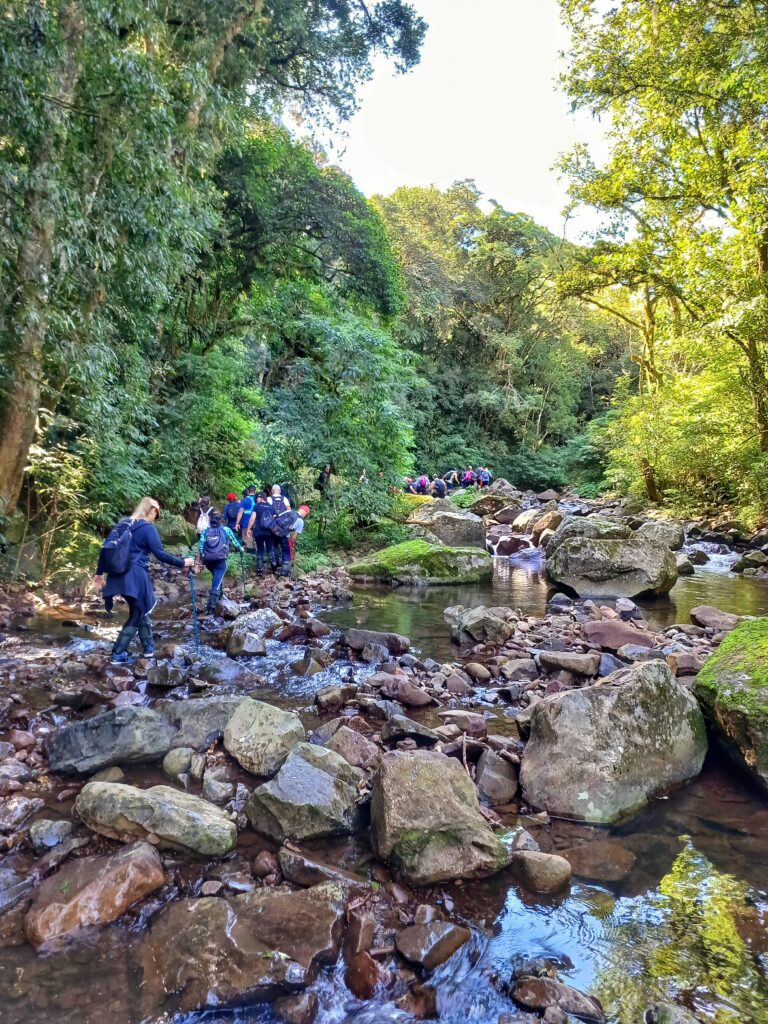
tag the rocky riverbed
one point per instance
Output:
(328, 825)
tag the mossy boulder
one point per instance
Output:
(599, 753)
(406, 504)
(175, 530)
(732, 689)
(416, 562)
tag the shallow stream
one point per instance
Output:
(689, 923)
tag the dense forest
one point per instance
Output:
(192, 298)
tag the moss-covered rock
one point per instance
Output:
(417, 562)
(406, 504)
(732, 689)
(175, 530)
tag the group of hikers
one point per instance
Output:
(440, 486)
(260, 522)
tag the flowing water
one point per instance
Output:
(688, 923)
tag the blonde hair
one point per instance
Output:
(143, 509)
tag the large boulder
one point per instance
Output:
(175, 531)
(416, 562)
(313, 795)
(671, 535)
(125, 735)
(92, 891)
(427, 822)
(260, 623)
(597, 557)
(732, 689)
(458, 529)
(599, 753)
(216, 953)
(359, 639)
(198, 722)
(480, 625)
(178, 821)
(261, 736)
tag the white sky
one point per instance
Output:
(484, 103)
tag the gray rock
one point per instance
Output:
(260, 623)
(177, 762)
(218, 784)
(126, 735)
(398, 728)
(496, 778)
(14, 887)
(248, 645)
(260, 736)
(179, 820)
(357, 639)
(541, 872)
(571, 661)
(684, 565)
(520, 670)
(46, 834)
(313, 795)
(601, 752)
(198, 722)
(671, 535)
(359, 751)
(480, 625)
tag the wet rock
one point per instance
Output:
(671, 535)
(698, 557)
(260, 623)
(265, 863)
(46, 834)
(178, 820)
(712, 618)
(361, 928)
(541, 872)
(595, 556)
(307, 665)
(398, 728)
(332, 698)
(613, 634)
(303, 869)
(177, 762)
(480, 625)
(313, 795)
(541, 993)
(354, 748)
(14, 887)
(427, 822)
(732, 689)
(246, 645)
(168, 674)
(126, 735)
(298, 1009)
(520, 670)
(496, 778)
(218, 784)
(430, 945)
(600, 752)
(478, 672)
(92, 891)
(684, 565)
(604, 860)
(470, 722)
(571, 661)
(15, 810)
(260, 736)
(356, 639)
(215, 952)
(362, 975)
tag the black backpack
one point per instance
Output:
(116, 549)
(282, 523)
(215, 545)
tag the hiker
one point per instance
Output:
(134, 583)
(230, 511)
(298, 527)
(484, 477)
(203, 508)
(280, 527)
(261, 532)
(247, 506)
(452, 479)
(324, 480)
(214, 551)
(439, 488)
(409, 486)
(468, 477)
(422, 484)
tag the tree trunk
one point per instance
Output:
(758, 386)
(27, 309)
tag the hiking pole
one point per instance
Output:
(242, 570)
(195, 626)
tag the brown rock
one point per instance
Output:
(477, 672)
(604, 860)
(613, 635)
(361, 928)
(302, 869)
(92, 890)
(470, 722)
(712, 618)
(571, 661)
(264, 863)
(362, 975)
(298, 1009)
(354, 748)
(541, 993)
(430, 945)
(541, 872)
(401, 689)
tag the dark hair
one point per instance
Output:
(214, 518)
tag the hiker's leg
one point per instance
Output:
(127, 633)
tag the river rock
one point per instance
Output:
(603, 860)
(417, 562)
(313, 795)
(430, 945)
(246, 645)
(599, 753)
(480, 625)
(541, 993)
(597, 557)
(398, 728)
(452, 526)
(358, 639)
(496, 778)
(671, 535)
(14, 887)
(177, 762)
(549, 521)
(215, 952)
(260, 623)
(684, 565)
(541, 872)
(490, 504)
(520, 670)
(712, 618)
(126, 735)
(427, 822)
(45, 834)
(611, 634)
(92, 891)
(297, 1009)
(301, 869)
(260, 736)
(178, 820)
(732, 689)
(401, 689)
(571, 661)
(355, 748)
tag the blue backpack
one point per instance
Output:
(215, 544)
(282, 523)
(116, 549)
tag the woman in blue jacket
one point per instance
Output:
(135, 584)
(214, 550)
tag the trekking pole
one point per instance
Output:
(195, 626)
(242, 570)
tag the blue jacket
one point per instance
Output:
(136, 582)
(232, 539)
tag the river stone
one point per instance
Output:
(708, 617)
(358, 639)
(355, 748)
(14, 887)
(177, 762)
(92, 891)
(261, 623)
(198, 722)
(603, 860)
(732, 689)
(520, 669)
(179, 820)
(684, 565)
(426, 820)
(398, 727)
(458, 529)
(541, 993)
(571, 661)
(420, 563)
(125, 735)
(215, 952)
(671, 535)
(612, 634)
(496, 778)
(597, 557)
(480, 625)
(313, 795)
(541, 872)
(549, 521)
(301, 869)
(260, 736)
(46, 834)
(430, 945)
(599, 753)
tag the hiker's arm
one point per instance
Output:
(155, 545)
(234, 539)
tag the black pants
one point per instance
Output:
(134, 614)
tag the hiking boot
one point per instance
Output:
(120, 655)
(213, 599)
(146, 638)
